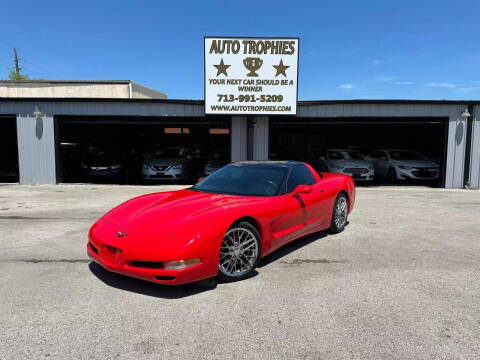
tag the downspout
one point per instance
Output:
(468, 149)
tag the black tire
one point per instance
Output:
(392, 175)
(250, 230)
(338, 226)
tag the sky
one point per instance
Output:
(358, 49)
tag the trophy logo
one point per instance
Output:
(252, 64)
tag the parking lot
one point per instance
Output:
(401, 282)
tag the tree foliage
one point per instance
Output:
(13, 75)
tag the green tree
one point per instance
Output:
(13, 75)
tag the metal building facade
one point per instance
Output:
(36, 134)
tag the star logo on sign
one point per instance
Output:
(281, 68)
(222, 68)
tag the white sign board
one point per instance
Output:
(251, 76)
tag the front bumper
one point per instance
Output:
(357, 174)
(116, 261)
(168, 173)
(100, 173)
(126, 255)
(418, 173)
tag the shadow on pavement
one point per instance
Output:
(291, 247)
(126, 283)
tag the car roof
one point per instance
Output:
(275, 163)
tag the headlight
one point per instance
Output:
(176, 167)
(404, 167)
(181, 264)
(145, 167)
(115, 167)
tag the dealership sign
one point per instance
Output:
(251, 76)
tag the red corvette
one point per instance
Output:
(223, 225)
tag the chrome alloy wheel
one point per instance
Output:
(341, 212)
(238, 253)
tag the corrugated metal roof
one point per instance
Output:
(201, 102)
(68, 81)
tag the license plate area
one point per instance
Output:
(111, 254)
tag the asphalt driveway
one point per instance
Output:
(401, 282)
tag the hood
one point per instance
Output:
(172, 213)
(163, 162)
(416, 163)
(350, 163)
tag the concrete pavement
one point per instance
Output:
(401, 282)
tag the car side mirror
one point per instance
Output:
(201, 178)
(303, 189)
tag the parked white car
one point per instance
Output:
(347, 162)
(168, 163)
(403, 164)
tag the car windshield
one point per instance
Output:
(405, 155)
(170, 153)
(102, 157)
(247, 180)
(344, 155)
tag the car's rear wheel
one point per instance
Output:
(391, 176)
(340, 214)
(239, 252)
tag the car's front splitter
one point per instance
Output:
(113, 262)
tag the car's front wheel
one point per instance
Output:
(391, 176)
(239, 252)
(340, 214)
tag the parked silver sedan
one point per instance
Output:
(168, 163)
(403, 164)
(347, 162)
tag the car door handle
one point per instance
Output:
(321, 190)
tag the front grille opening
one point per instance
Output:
(355, 171)
(112, 249)
(147, 264)
(163, 277)
(93, 247)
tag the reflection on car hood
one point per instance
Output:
(163, 162)
(350, 163)
(415, 163)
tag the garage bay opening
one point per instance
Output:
(8, 149)
(401, 151)
(136, 150)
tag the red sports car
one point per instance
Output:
(223, 225)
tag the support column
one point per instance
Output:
(474, 178)
(260, 138)
(36, 149)
(238, 142)
(457, 133)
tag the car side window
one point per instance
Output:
(300, 175)
(375, 154)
